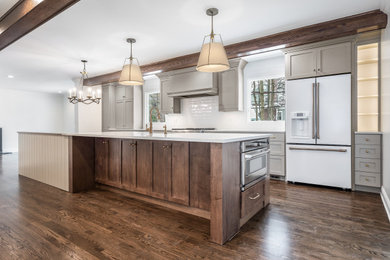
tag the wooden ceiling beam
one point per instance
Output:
(346, 26)
(27, 15)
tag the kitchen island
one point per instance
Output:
(197, 173)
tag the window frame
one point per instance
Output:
(249, 98)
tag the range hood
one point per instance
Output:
(186, 83)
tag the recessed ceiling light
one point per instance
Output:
(11, 76)
(59, 92)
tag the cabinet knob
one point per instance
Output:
(367, 139)
(314, 70)
(367, 151)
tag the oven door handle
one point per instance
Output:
(252, 156)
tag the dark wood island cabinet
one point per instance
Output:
(186, 174)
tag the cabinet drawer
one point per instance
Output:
(368, 179)
(276, 148)
(276, 137)
(277, 165)
(368, 151)
(368, 139)
(368, 165)
(252, 199)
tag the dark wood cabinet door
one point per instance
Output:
(114, 163)
(179, 181)
(162, 166)
(101, 159)
(200, 175)
(129, 164)
(144, 166)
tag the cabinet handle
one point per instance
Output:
(367, 179)
(367, 151)
(367, 165)
(255, 197)
(133, 144)
(314, 70)
(367, 139)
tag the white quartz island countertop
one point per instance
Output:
(185, 137)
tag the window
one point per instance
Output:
(268, 99)
(152, 100)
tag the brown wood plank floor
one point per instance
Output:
(302, 222)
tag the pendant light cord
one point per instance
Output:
(212, 28)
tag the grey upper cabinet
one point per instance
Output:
(327, 60)
(169, 105)
(334, 59)
(124, 92)
(231, 87)
(301, 64)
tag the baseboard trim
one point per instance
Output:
(386, 201)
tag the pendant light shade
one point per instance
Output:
(131, 72)
(212, 56)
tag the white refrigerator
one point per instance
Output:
(318, 131)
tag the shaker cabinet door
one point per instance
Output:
(162, 166)
(301, 64)
(144, 166)
(129, 164)
(101, 159)
(179, 181)
(334, 59)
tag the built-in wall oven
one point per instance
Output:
(254, 161)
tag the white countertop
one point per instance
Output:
(188, 137)
(185, 137)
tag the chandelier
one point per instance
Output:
(76, 95)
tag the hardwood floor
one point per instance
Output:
(302, 222)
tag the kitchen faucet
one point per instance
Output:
(150, 129)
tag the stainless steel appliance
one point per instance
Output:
(254, 161)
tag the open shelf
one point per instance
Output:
(367, 86)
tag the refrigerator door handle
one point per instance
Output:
(319, 149)
(313, 111)
(318, 110)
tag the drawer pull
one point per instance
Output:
(367, 165)
(367, 179)
(367, 151)
(255, 197)
(367, 140)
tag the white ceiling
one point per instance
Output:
(49, 57)
(5, 5)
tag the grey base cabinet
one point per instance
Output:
(277, 160)
(368, 162)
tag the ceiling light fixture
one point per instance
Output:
(212, 56)
(76, 95)
(11, 76)
(131, 72)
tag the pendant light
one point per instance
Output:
(212, 56)
(131, 72)
(77, 95)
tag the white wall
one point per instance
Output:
(203, 111)
(28, 111)
(89, 117)
(385, 102)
